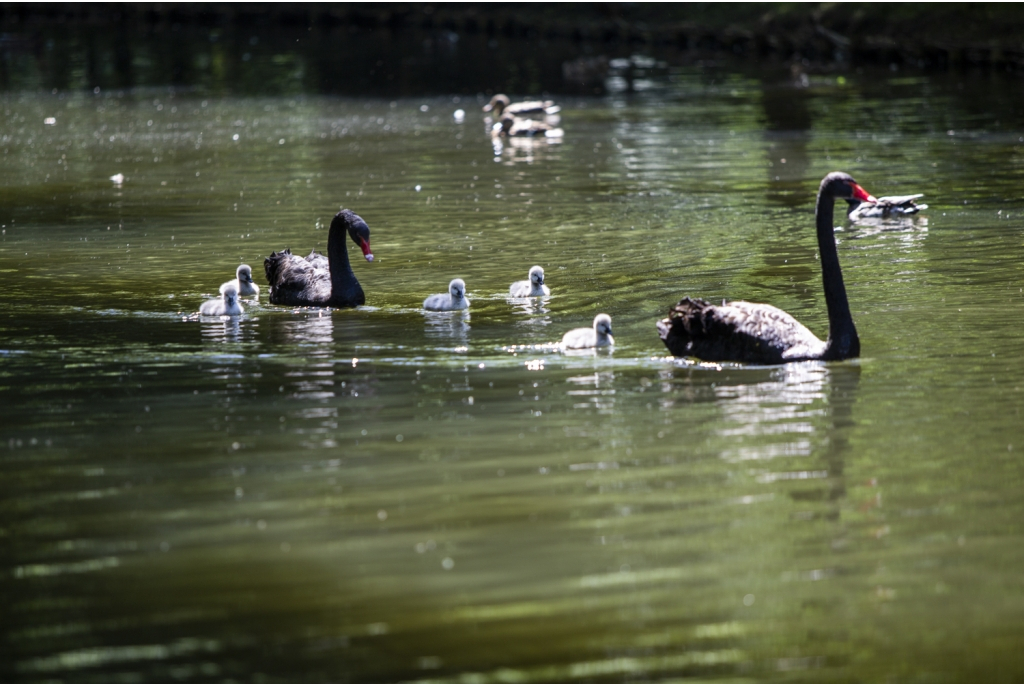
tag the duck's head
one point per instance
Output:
(244, 273)
(457, 289)
(603, 324)
(357, 230)
(840, 184)
(498, 103)
(506, 123)
(536, 276)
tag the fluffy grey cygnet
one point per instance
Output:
(226, 305)
(453, 300)
(243, 282)
(598, 336)
(532, 288)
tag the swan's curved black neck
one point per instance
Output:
(843, 342)
(344, 286)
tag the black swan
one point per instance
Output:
(243, 282)
(884, 207)
(452, 300)
(600, 335)
(762, 334)
(534, 287)
(225, 305)
(501, 104)
(319, 281)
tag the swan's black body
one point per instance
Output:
(319, 281)
(762, 334)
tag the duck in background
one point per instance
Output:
(883, 207)
(512, 127)
(501, 104)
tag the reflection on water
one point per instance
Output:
(447, 327)
(387, 494)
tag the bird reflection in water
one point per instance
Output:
(908, 231)
(225, 329)
(801, 414)
(447, 326)
(512, 151)
(594, 391)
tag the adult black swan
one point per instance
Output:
(762, 334)
(317, 281)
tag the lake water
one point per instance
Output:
(385, 494)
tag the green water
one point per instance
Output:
(386, 494)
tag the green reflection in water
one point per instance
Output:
(387, 494)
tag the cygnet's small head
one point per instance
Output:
(603, 324)
(244, 274)
(457, 289)
(537, 275)
(229, 293)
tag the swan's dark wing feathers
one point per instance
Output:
(736, 331)
(319, 260)
(293, 280)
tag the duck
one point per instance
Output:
(884, 207)
(760, 333)
(501, 104)
(534, 287)
(511, 126)
(316, 280)
(225, 305)
(453, 300)
(243, 282)
(600, 335)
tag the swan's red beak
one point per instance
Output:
(365, 246)
(861, 194)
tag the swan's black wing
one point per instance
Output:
(737, 332)
(295, 281)
(318, 260)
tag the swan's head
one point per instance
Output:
(244, 274)
(357, 230)
(229, 293)
(498, 103)
(840, 184)
(457, 289)
(536, 276)
(603, 324)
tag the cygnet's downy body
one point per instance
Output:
(453, 300)
(225, 305)
(243, 282)
(532, 288)
(600, 335)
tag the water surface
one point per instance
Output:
(386, 494)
